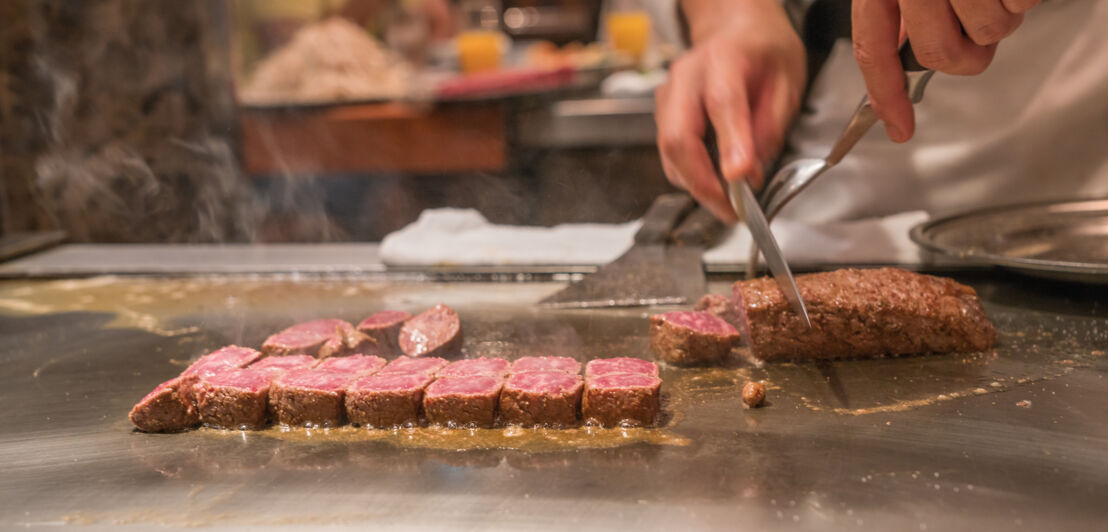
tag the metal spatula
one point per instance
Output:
(663, 267)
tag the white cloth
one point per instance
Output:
(1034, 126)
(464, 237)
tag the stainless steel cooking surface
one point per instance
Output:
(1011, 438)
(1067, 239)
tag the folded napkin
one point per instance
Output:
(464, 237)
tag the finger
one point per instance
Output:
(774, 108)
(937, 39)
(1019, 6)
(680, 118)
(876, 32)
(728, 107)
(985, 21)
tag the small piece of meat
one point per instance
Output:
(493, 367)
(721, 307)
(235, 399)
(386, 400)
(549, 398)
(309, 397)
(463, 401)
(690, 337)
(171, 406)
(318, 338)
(435, 332)
(858, 313)
(563, 364)
(753, 394)
(279, 365)
(621, 399)
(429, 366)
(164, 409)
(384, 328)
(618, 366)
(358, 365)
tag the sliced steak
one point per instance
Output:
(171, 406)
(279, 365)
(319, 338)
(235, 399)
(386, 400)
(857, 313)
(358, 365)
(309, 397)
(549, 398)
(384, 328)
(164, 409)
(621, 399)
(463, 401)
(720, 306)
(620, 365)
(429, 366)
(434, 332)
(691, 337)
(563, 364)
(492, 367)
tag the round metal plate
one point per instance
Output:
(1067, 240)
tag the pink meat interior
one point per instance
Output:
(254, 380)
(563, 364)
(284, 363)
(308, 332)
(385, 318)
(391, 383)
(353, 364)
(311, 379)
(608, 366)
(471, 385)
(544, 382)
(428, 365)
(701, 322)
(221, 360)
(625, 381)
(476, 366)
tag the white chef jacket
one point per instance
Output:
(1033, 127)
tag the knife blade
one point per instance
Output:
(746, 207)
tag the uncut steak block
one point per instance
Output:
(308, 397)
(720, 306)
(621, 399)
(319, 338)
(171, 406)
(462, 401)
(386, 400)
(620, 365)
(856, 313)
(691, 337)
(384, 328)
(429, 366)
(563, 364)
(492, 367)
(357, 365)
(235, 399)
(541, 398)
(434, 332)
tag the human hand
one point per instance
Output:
(744, 76)
(951, 36)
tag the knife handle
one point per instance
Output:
(663, 216)
(700, 228)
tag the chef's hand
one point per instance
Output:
(744, 75)
(952, 36)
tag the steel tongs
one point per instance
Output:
(794, 177)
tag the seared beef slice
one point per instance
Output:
(436, 332)
(384, 329)
(856, 313)
(689, 337)
(463, 401)
(386, 400)
(309, 397)
(622, 399)
(541, 398)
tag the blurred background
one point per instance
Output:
(325, 120)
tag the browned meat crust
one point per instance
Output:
(858, 313)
